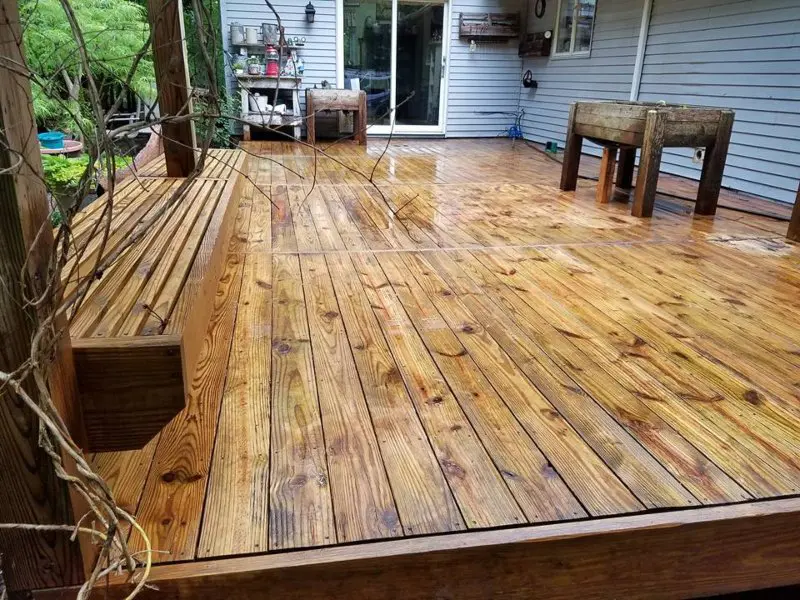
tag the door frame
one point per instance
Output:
(410, 130)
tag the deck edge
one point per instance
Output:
(670, 554)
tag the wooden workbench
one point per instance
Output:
(625, 126)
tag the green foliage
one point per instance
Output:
(114, 32)
(223, 126)
(198, 71)
(65, 176)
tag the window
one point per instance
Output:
(574, 25)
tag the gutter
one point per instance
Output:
(644, 31)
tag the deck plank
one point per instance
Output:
(607, 384)
(570, 456)
(362, 498)
(537, 487)
(300, 511)
(235, 519)
(174, 494)
(426, 503)
(507, 320)
(480, 491)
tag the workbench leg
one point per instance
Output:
(627, 160)
(649, 164)
(244, 97)
(713, 166)
(298, 129)
(311, 120)
(572, 154)
(605, 184)
(794, 223)
(360, 120)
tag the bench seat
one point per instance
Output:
(138, 334)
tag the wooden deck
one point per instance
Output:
(463, 347)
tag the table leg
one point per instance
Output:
(649, 164)
(713, 166)
(244, 97)
(605, 185)
(311, 120)
(298, 129)
(627, 160)
(360, 120)
(572, 154)
(794, 223)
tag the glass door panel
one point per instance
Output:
(391, 49)
(419, 63)
(368, 54)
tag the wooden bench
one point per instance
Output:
(347, 100)
(138, 334)
(625, 126)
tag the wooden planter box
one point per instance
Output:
(138, 335)
(625, 126)
(623, 123)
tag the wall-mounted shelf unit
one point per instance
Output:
(536, 44)
(488, 25)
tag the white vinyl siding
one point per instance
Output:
(604, 75)
(743, 55)
(486, 80)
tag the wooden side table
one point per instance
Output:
(318, 100)
(625, 126)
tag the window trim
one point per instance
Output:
(554, 53)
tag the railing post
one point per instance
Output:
(172, 83)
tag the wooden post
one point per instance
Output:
(311, 121)
(713, 166)
(361, 118)
(572, 154)
(627, 161)
(30, 491)
(172, 82)
(605, 185)
(649, 164)
(794, 223)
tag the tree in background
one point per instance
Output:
(114, 31)
(198, 73)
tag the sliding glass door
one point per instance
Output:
(396, 50)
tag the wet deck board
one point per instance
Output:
(497, 353)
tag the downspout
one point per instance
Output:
(644, 31)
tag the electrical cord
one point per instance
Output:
(676, 196)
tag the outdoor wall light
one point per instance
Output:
(310, 12)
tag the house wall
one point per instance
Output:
(739, 54)
(743, 55)
(604, 75)
(484, 81)
(487, 79)
(319, 55)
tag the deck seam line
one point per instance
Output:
(655, 242)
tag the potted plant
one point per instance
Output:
(238, 66)
(253, 68)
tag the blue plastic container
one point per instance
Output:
(52, 140)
